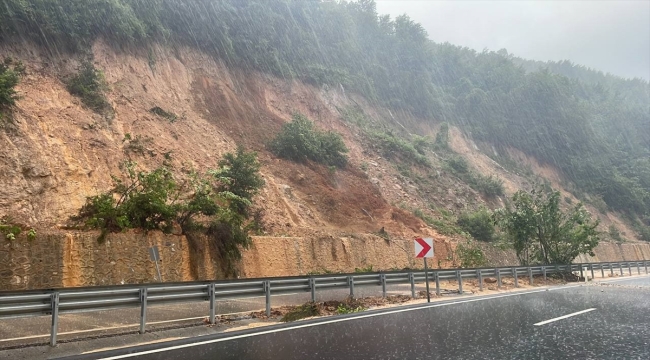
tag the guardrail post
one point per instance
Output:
(514, 273)
(459, 277)
(312, 287)
(638, 269)
(530, 276)
(213, 303)
(412, 280)
(351, 284)
(544, 273)
(620, 267)
(498, 272)
(437, 283)
(592, 272)
(267, 290)
(582, 274)
(479, 275)
(55, 318)
(143, 309)
(602, 271)
(611, 269)
(645, 263)
(629, 268)
(383, 284)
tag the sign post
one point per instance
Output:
(424, 249)
(155, 256)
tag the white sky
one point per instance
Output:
(608, 35)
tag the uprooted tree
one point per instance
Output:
(216, 204)
(542, 233)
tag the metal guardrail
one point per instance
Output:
(61, 301)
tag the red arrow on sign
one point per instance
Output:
(425, 247)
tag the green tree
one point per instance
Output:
(241, 172)
(542, 233)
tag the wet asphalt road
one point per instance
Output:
(494, 327)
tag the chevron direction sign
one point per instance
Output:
(423, 247)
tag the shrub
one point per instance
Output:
(347, 309)
(162, 113)
(442, 137)
(299, 141)
(488, 185)
(479, 224)
(470, 255)
(90, 86)
(303, 311)
(363, 269)
(137, 144)
(614, 233)
(458, 165)
(421, 144)
(393, 147)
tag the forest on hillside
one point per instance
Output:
(594, 127)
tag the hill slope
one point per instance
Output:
(433, 130)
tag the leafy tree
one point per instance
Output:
(142, 201)
(243, 170)
(542, 233)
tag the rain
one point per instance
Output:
(276, 146)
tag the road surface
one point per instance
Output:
(603, 321)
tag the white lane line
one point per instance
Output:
(563, 317)
(177, 347)
(101, 329)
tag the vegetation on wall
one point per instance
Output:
(215, 204)
(299, 140)
(10, 230)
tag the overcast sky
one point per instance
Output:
(612, 36)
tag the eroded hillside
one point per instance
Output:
(61, 152)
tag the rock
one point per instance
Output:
(374, 181)
(373, 163)
(397, 187)
(490, 280)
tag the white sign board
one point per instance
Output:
(423, 247)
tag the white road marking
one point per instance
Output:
(101, 329)
(563, 317)
(333, 321)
